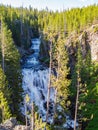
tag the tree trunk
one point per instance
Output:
(26, 113)
(48, 95)
(21, 20)
(77, 99)
(2, 113)
(2, 46)
(33, 117)
(55, 99)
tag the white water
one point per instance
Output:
(35, 82)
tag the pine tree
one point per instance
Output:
(4, 97)
(62, 72)
(78, 69)
(60, 80)
(12, 70)
(49, 82)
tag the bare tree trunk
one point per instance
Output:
(21, 21)
(64, 18)
(48, 95)
(21, 26)
(2, 113)
(28, 37)
(2, 46)
(77, 100)
(26, 113)
(55, 100)
(33, 117)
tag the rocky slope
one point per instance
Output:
(87, 38)
(88, 41)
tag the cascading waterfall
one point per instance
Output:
(35, 81)
(35, 84)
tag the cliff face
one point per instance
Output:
(88, 41)
(93, 42)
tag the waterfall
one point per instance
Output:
(35, 81)
(35, 84)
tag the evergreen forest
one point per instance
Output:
(67, 38)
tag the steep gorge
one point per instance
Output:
(81, 46)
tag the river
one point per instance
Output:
(35, 81)
(35, 84)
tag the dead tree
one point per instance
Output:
(33, 117)
(55, 98)
(27, 99)
(26, 112)
(2, 46)
(21, 20)
(49, 82)
(77, 100)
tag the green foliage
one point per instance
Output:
(96, 29)
(39, 124)
(12, 70)
(18, 25)
(4, 97)
(88, 94)
(60, 21)
(34, 20)
(60, 80)
(21, 22)
(63, 71)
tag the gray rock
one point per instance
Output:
(9, 124)
(21, 127)
(12, 124)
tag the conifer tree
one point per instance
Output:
(60, 81)
(4, 97)
(63, 71)
(12, 70)
(49, 82)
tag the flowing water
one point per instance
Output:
(35, 84)
(35, 81)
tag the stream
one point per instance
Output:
(35, 81)
(35, 84)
